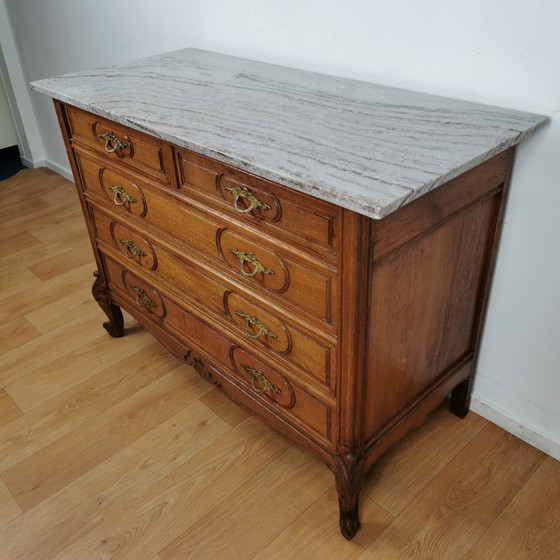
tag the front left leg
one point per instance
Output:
(349, 475)
(115, 325)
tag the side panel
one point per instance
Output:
(430, 271)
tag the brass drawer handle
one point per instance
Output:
(258, 376)
(112, 143)
(132, 250)
(252, 260)
(142, 299)
(254, 322)
(121, 196)
(245, 193)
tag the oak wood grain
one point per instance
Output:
(9, 508)
(16, 333)
(313, 535)
(79, 405)
(151, 522)
(278, 496)
(462, 501)
(9, 410)
(529, 526)
(403, 472)
(79, 507)
(34, 479)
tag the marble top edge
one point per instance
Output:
(365, 147)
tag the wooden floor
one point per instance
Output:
(110, 448)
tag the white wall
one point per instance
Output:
(8, 136)
(503, 52)
(18, 95)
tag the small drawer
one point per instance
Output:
(270, 387)
(292, 215)
(122, 144)
(252, 320)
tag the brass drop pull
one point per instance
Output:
(245, 193)
(112, 143)
(121, 196)
(252, 260)
(132, 250)
(259, 377)
(142, 299)
(251, 321)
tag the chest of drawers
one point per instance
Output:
(341, 329)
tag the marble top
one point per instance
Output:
(362, 146)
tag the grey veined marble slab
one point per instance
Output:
(366, 147)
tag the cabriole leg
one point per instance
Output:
(115, 325)
(349, 475)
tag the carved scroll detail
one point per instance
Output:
(100, 291)
(195, 360)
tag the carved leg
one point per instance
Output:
(115, 325)
(349, 475)
(461, 398)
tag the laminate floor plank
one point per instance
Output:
(9, 410)
(270, 501)
(67, 411)
(16, 243)
(529, 527)
(156, 518)
(54, 524)
(459, 505)
(26, 301)
(13, 283)
(51, 226)
(408, 467)
(216, 401)
(63, 262)
(55, 376)
(9, 508)
(54, 466)
(40, 353)
(15, 333)
(315, 533)
(56, 314)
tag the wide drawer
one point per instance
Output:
(254, 320)
(268, 385)
(122, 144)
(256, 261)
(268, 205)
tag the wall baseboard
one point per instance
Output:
(515, 426)
(33, 164)
(65, 172)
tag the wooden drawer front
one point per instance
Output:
(275, 387)
(239, 365)
(269, 205)
(307, 283)
(142, 152)
(146, 298)
(253, 320)
(276, 269)
(303, 351)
